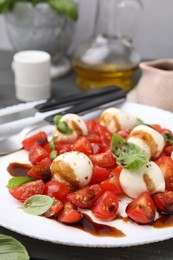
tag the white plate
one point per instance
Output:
(13, 218)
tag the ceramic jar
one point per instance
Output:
(155, 86)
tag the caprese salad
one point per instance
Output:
(93, 165)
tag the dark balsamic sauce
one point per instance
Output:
(163, 221)
(96, 229)
(18, 169)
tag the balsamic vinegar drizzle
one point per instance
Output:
(96, 229)
(18, 169)
(87, 224)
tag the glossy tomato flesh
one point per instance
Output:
(27, 190)
(85, 197)
(39, 138)
(56, 189)
(142, 209)
(166, 165)
(106, 206)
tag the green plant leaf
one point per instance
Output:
(12, 249)
(139, 122)
(65, 7)
(127, 154)
(64, 128)
(52, 142)
(5, 5)
(37, 204)
(168, 138)
(53, 154)
(56, 119)
(17, 181)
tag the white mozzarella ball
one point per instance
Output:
(148, 139)
(73, 168)
(76, 123)
(147, 178)
(115, 120)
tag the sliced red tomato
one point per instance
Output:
(167, 150)
(106, 206)
(62, 147)
(99, 174)
(57, 190)
(113, 183)
(96, 148)
(105, 159)
(55, 208)
(37, 154)
(69, 214)
(142, 209)
(85, 197)
(157, 127)
(103, 134)
(92, 126)
(41, 170)
(27, 190)
(166, 131)
(94, 138)
(123, 133)
(39, 138)
(164, 202)
(166, 165)
(82, 145)
(47, 148)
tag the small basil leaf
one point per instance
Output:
(65, 7)
(53, 154)
(168, 138)
(5, 5)
(56, 119)
(37, 204)
(52, 142)
(17, 181)
(139, 122)
(11, 249)
(127, 154)
(64, 128)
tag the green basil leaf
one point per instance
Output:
(11, 249)
(52, 142)
(37, 204)
(5, 5)
(64, 128)
(127, 154)
(139, 122)
(56, 119)
(168, 138)
(65, 7)
(17, 181)
(53, 154)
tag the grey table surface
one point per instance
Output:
(42, 250)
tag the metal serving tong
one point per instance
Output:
(13, 143)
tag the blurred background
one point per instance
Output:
(153, 40)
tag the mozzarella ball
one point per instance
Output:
(115, 120)
(148, 139)
(76, 123)
(73, 168)
(147, 178)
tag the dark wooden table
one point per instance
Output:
(41, 250)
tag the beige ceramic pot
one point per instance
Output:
(155, 86)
